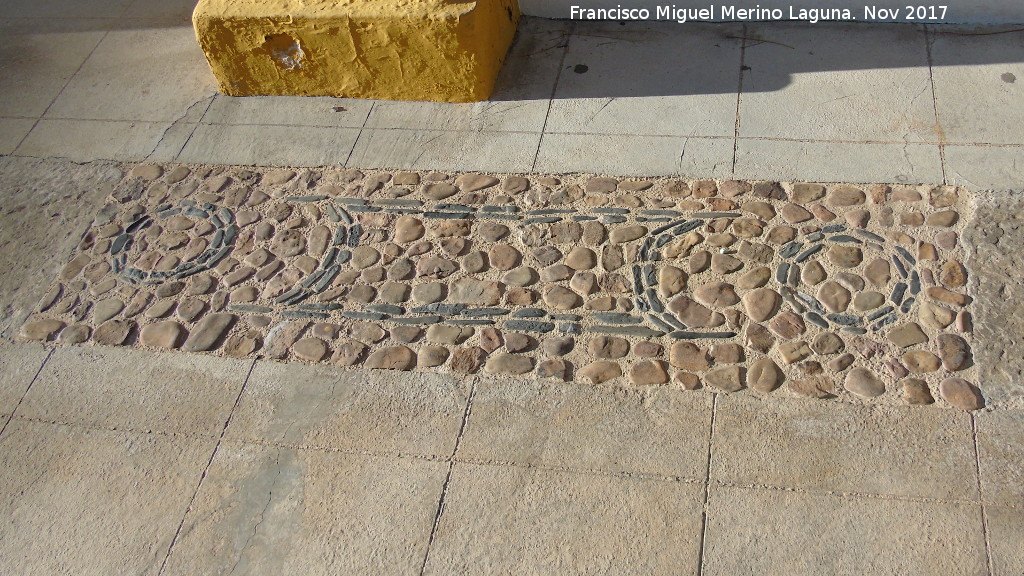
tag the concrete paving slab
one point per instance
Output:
(994, 238)
(755, 531)
(659, 431)
(64, 9)
(979, 81)
(438, 150)
(78, 501)
(521, 94)
(521, 520)
(12, 131)
(121, 82)
(266, 510)
(642, 79)
(269, 145)
(91, 140)
(172, 142)
(168, 11)
(47, 207)
(862, 84)
(838, 161)
(344, 409)
(1001, 453)
(899, 451)
(985, 167)
(289, 111)
(494, 116)
(38, 58)
(628, 155)
(1006, 538)
(133, 389)
(19, 364)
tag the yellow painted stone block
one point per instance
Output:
(439, 50)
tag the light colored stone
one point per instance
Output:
(435, 267)
(468, 360)
(953, 274)
(392, 358)
(522, 276)
(471, 291)
(817, 387)
(600, 371)
(310, 349)
(514, 364)
(364, 257)
(948, 297)
(864, 383)
(689, 356)
(443, 334)
(840, 363)
(580, 258)
(827, 343)
(113, 332)
(943, 219)
(165, 334)
(610, 347)
(474, 182)
(787, 325)
(867, 301)
(725, 264)
(625, 234)
(648, 373)
(727, 379)
(716, 294)
(208, 332)
(846, 196)
(954, 351)
(561, 298)
(42, 329)
(921, 361)
(804, 193)
(554, 368)
(754, 278)
(428, 293)
(916, 391)
(694, 315)
(795, 214)
(792, 352)
(556, 273)
(431, 356)
(961, 393)
(764, 375)
(408, 229)
(813, 273)
(845, 256)
(907, 335)
(877, 272)
(504, 257)
(833, 296)
(761, 303)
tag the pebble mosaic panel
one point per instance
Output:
(800, 289)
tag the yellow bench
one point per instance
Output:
(439, 50)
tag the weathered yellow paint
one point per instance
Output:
(439, 50)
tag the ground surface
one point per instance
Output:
(119, 460)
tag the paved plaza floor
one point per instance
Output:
(125, 459)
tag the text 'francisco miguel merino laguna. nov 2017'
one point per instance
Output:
(724, 13)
